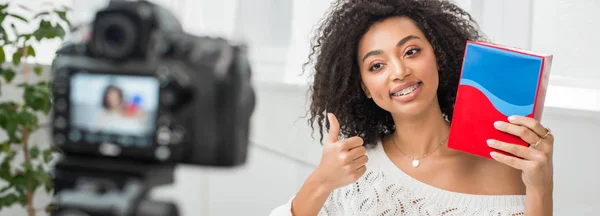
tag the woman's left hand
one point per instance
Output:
(537, 158)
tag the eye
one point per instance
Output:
(412, 52)
(376, 66)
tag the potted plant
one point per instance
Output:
(24, 164)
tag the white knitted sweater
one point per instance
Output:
(385, 190)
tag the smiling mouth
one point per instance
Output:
(407, 90)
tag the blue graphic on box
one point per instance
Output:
(508, 79)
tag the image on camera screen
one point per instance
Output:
(114, 108)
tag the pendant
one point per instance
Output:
(415, 163)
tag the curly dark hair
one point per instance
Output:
(337, 82)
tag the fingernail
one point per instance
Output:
(498, 124)
(493, 154)
(512, 118)
(490, 142)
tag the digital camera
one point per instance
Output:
(134, 86)
(133, 96)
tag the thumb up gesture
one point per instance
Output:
(343, 161)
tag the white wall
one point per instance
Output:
(570, 30)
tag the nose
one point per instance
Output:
(398, 70)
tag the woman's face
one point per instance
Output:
(114, 99)
(398, 67)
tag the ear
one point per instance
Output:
(365, 90)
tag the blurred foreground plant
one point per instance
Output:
(19, 119)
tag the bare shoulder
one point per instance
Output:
(497, 178)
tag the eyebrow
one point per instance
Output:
(400, 43)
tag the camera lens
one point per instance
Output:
(115, 36)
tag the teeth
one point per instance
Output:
(407, 90)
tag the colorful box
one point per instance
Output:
(496, 82)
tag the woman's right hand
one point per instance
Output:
(343, 161)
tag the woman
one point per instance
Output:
(117, 115)
(112, 100)
(113, 106)
(387, 73)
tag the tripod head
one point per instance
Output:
(110, 188)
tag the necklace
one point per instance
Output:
(416, 160)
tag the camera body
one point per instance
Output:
(136, 87)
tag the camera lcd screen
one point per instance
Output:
(113, 108)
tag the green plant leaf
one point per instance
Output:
(44, 178)
(48, 183)
(8, 121)
(16, 58)
(2, 55)
(44, 30)
(32, 176)
(37, 97)
(22, 197)
(26, 36)
(28, 167)
(10, 105)
(5, 188)
(48, 155)
(34, 152)
(59, 31)
(30, 51)
(3, 33)
(11, 130)
(18, 17)
(8, 74)
(5, 167)
(37, 70)
(8, 199)
(63, 15)
(3, 7)
(5, 146)
(19, 182)
(43, 13)
(28, 119)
